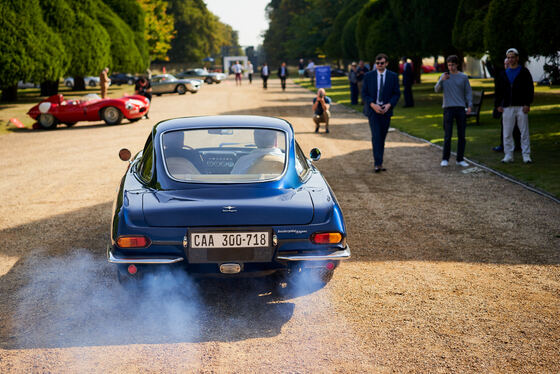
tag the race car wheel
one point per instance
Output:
(111, 115)
(92, 83)
(68, 84)
(209, 80)
(131, 81)
(181, 89)
(47, 121)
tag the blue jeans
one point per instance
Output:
(379, 126)
(457, 113)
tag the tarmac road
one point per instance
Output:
(451, 271)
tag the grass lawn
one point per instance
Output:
(30, 96)
(425, 120)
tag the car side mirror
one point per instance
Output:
(315, 154)
(124, 154)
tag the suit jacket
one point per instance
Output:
(280, 72)
(391, 91)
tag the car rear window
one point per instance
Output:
(224, 155)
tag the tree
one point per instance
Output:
(125, 56)
(134, 16)
(468, 30)
(348, 40)
(504, 27)
(199, 32)
(159, 29)
(335, 45)
(30, 49)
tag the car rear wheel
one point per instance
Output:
(209, 80)
(181, 89)
(131, 81)
(111, 115)
(47, 121)
(68, 84)
(92, 83)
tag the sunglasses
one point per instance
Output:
(379, 62)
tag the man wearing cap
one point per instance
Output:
(514, 96)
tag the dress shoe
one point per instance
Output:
(327, 131)
(316, 129)
(377, 169)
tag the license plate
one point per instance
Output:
(251, 239)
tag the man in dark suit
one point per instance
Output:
(283, 74)
(380, 93)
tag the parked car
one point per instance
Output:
(203, 74)
(122, 78)
(225, 195)
(335, 72)
(167, 83)
(22, 85)
(91, 107)
(89, 81)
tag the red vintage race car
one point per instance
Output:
(91, 107)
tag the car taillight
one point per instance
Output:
(326, 238)
(133, 241)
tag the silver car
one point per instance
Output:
(89, 81)
(167, 83)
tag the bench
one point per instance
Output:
(477, 97)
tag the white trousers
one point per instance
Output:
(510, 115)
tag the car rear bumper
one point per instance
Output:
(114, 259)
(343, 254)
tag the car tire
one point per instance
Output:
(158, 94)
(181, 89)
(209, 80)
(68, 84)
(47, 121)
(91, 83)
(130, 81)
(111, 115)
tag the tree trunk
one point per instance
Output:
(79, 84)
(9, 93)
(49, 88)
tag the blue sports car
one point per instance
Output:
(229, 196)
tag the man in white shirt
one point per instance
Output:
(237, 70)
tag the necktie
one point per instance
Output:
(380, 92)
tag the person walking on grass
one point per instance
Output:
(457, 94)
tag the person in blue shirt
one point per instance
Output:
(514, 96)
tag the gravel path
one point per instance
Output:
(451, 271)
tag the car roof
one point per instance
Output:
(247, 121)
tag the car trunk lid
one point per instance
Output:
(222, 206)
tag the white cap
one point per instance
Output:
(512, 50)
